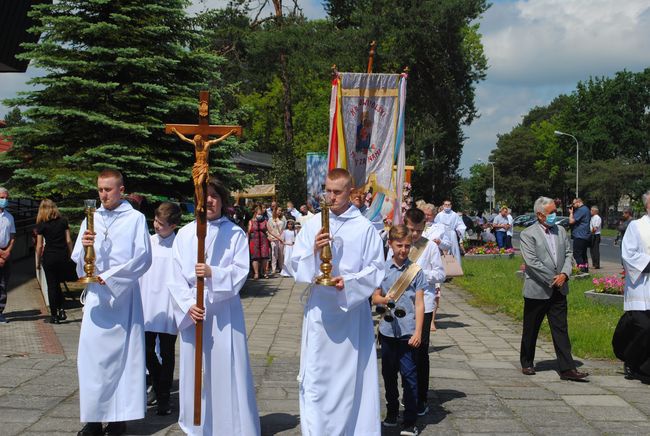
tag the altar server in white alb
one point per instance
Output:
(338, 379)
(158, 306)
(228, 404)
(454, 226)
(111, 358)
(631, 340)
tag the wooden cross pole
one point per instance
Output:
(200, 174)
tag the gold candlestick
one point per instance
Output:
(326, 252)
(89, 251)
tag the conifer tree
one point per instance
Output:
(116, 72)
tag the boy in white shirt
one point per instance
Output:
(157, 305)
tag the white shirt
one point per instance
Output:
(550, 240)
(510, 230)
(7, 228)
(157, 304)
(595, 224)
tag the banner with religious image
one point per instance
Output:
(367, 137)
(316, 174)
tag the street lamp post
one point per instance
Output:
(493, 203)
(558, 133)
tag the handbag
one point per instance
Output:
(451, 265)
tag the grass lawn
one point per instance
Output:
(495, 287)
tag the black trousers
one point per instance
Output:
(631, 340)
(555, 309)
(398, 357)
(422, 361)
(54, 267)
(595, 250)
(5, 272)
(162, 375)
(580, 250)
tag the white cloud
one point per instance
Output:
(559, 41)
(539, 49)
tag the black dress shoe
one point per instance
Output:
(632, 374)
(62, 315)
(574, 375)
(164, 407)
(91, 429)
(115, 428)
(55, 320)
(528, 371)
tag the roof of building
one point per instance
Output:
(4, 144)
(254, 158)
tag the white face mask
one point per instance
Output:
(447, 209)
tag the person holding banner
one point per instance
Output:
(228, 397)
(338, 383)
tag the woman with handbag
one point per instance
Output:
(53, 249)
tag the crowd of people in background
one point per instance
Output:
(381, 261)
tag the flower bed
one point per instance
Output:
(610, 284)
(608, 289)
(490, 249)
(611, 299)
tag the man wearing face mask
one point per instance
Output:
(546, 250)
(7, 238)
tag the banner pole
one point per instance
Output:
(373, 46)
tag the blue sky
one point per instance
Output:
(536, 50)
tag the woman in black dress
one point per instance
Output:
(54, 233)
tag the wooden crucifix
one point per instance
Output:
(200, 174)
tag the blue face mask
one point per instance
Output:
(550, 219)
(3, 203)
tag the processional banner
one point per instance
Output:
(367, 137)
(316, 175)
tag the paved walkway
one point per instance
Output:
(476, 386)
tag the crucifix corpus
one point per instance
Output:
(200, 174)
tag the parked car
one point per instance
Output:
(521, 219)
(559, 221)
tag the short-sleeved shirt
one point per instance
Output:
(596, 224)
(7, 228)
(401, 328)
(500, 219)
(581, 229)
(53, 232)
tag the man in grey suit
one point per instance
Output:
(546, 250)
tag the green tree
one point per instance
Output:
(14, 117)
(441, 45)
(116, 71)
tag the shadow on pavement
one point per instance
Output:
(437, 411)
(551, 365)
(441, 325)
(278, 422)
(25, 315)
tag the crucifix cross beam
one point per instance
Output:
(203, 128)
